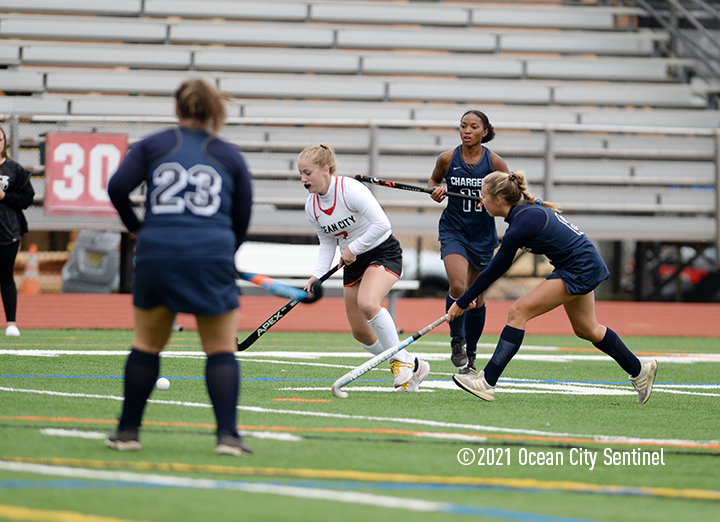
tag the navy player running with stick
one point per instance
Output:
(345, 214)
(467, 233)
(199, 200)
(537, 226)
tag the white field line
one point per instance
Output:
(290, 362)
(380, 389)
(491, 346)
(272, 355)
(585, 383)
(97, 435)
(369, 499)
(449, 385)
(271, 435)
(513, 387)
(675, 358)
(282, 437)
(277, 436)
(509, 386)
(599, 357)
(393, 420)
(73, 434)
(452, 436)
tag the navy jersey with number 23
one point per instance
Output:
(197, 211)
(199, 195)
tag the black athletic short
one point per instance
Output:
(388, 255)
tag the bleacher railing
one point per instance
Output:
(614, 182)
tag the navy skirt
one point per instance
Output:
(203, 287)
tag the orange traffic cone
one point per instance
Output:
(31, 277)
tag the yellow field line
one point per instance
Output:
(42, 515)
(363, 476)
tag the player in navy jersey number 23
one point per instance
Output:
(197, 211)
(537, 226)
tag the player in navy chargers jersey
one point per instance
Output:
(467, 233)
(197, 211)
(345, 214)
(537, 226)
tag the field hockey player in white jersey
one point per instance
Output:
(345, 214)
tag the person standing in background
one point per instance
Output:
(16, 194)
(197, 212)
(467, 232)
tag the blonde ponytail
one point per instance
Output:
(322, 155)
(513, 188)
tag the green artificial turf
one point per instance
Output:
(373, 456)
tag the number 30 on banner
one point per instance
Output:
(77, 169)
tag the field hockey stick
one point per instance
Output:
(283, 311)
(380, 358)
(274, 287)
(412, 188)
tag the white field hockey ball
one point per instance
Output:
(162, 383)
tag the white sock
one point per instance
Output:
(403, 356)
(375, 348)
(386, 332)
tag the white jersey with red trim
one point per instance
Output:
(346, 216)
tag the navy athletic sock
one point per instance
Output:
(612, 345)
(222, 378)
(507, 346)
(457, 327)
(474, 326)
(141, 373)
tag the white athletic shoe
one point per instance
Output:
(12, 331)
(228, 444)
(644, 381)
(476, 384)
(418, 376)
(402, 371)
(126, 440)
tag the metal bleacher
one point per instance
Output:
(337, 62)
(349, 62)
(360, 88)
(303, 11)
(590, 106)
(355, 51)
